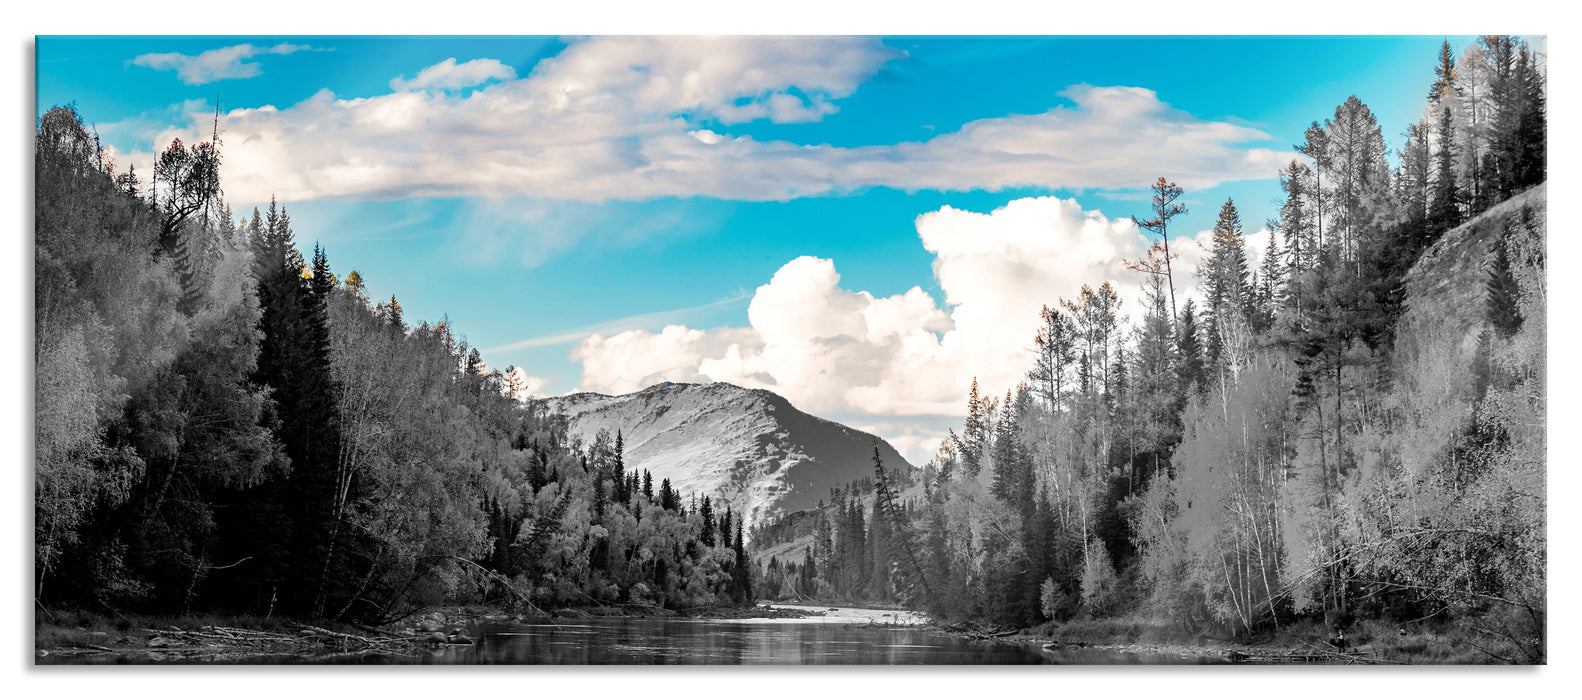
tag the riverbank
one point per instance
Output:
(207, 637)
(1369, 642)
(236, 638)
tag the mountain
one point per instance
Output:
(748, 447)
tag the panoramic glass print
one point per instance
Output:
(790, 350)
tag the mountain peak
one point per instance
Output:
(747, 447)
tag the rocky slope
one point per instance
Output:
(749, 447)
(1438, 337)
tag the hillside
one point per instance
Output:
(749, 447)
(1447, 287)
(1438, 338)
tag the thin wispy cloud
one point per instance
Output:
(639, 321)
(228, 63)
(449, 75)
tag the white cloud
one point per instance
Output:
(829, 349)
(618, 118)
(449, 75)
(917, 440)
(523, 386)
(215, 64)
(519, 384)
(631, 360)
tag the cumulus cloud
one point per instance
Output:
(830, 349)
(631, 360)
(624, 117)
(523, 386)
(215, 64)
(449, 75)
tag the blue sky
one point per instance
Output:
(539, 191)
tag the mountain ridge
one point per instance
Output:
(750, 448)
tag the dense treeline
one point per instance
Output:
(224, 425)
(849, 536)
(1296, 444)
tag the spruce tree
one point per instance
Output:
(1501, 308)
(1190, 371)
(706, 512)
(1225, 277)
(1530, 161)
(742, 571)
(1445, 76)
(1447, 196)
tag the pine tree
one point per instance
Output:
(1165, 208)
(1055, 345)
(1356, 150)
(1316, 145)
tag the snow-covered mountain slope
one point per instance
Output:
(749, 447)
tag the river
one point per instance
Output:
(841, 636)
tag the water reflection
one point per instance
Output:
(624, 641)
(660, 642)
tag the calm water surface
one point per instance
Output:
(670, 641)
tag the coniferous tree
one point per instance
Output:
(975, 433)
(1502, 310)
(1445, 76)
(1055, 345)
(1271, 284)
(1447, 196)
(706, 513)
(1225, 277)
(1165, 208)
(1416, 174)
(1530, 163)
(1191, 372)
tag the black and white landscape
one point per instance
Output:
(1157, 386)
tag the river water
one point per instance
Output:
(844, 636)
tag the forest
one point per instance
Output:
(1351, 429)
(224, 425)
